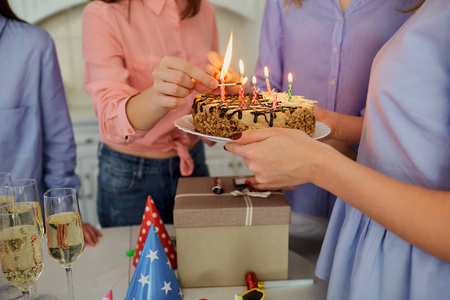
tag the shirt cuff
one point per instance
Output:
(129, 133)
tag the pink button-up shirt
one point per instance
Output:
(122, 45)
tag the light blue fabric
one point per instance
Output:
(329, 54)
(36, 138)
(406, 135)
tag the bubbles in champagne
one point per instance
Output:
(21, 255)
(65, 237)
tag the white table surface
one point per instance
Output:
(106, 267)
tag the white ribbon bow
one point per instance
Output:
(248, 202)
(251, 194)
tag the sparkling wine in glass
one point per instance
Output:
(20, 246)
(25, 191)
(7, 290)
(65, 238)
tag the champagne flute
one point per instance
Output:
(20, 246)
(7, 290)
(25, 190)
(65, 238)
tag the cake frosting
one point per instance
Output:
(213, 117)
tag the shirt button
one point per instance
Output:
(333, 82)
(335, 49)
(341, 18)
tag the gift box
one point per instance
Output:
(221, 237)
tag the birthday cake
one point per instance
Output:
(212, 116)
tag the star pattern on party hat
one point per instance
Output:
(151, 217)
(154, 278)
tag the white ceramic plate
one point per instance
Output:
(185, 123)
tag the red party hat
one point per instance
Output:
(151, 216)
(108, 296)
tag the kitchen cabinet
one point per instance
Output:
(87, 138)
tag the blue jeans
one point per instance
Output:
(125, 181)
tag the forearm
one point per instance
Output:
(347, 128)
(416, 214)
(141, 111)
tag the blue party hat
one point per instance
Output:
(154, 278)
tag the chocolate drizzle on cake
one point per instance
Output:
(232, 106)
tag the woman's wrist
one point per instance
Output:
(324, 158)
(143, 112)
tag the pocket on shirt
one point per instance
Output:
(20, 131)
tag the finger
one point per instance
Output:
(201, 88)
(237, 149)
(171, 89)
(290, 188)
(88, 238)
(215, 59)
(264, 187)
(97, 232)
(253, 135)
(213, 71)
(189, 69)
(173, 76)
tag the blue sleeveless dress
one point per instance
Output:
(406, 135)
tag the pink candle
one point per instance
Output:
(242, 97)
(241, 88)
(266, 73)
(222, 93)
(255, 94)
(274, 103)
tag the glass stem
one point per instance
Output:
(69, 282)
(27, 295)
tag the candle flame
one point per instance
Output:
(266, 71)
(290, 77)
(244, 80)
(241, 67)
(254, 79)
(227, 59)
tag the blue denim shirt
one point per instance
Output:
(36, 137)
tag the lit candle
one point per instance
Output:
(241, 93)
(226, 64)
(266, 73)
(274, 103)
(290, 86)
(255, 94)
(241, 88)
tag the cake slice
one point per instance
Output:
(213, 117)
